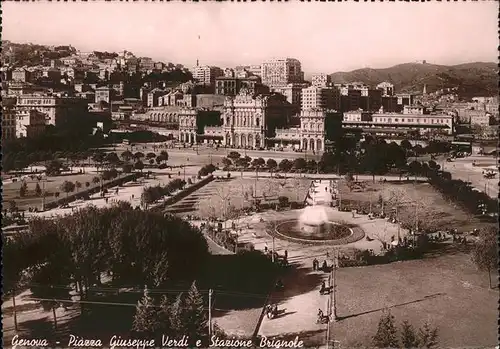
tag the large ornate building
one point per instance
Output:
(248, 120)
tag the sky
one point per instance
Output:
(325, 37)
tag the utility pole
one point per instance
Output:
(15, 311)
(371, 199)
(273, 250)
(210, 313)
(43, 195)
(328, 306)
(334, 284)
(416, 215)
(397, 218)
(340, 195)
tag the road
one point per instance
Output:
(462, 169)
(251, 174)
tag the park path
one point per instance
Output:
(130, 192)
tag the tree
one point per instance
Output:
(145, 318)
(329, 162)
(96, 180)
(98, 158)
(299, 164)
(406, 145)
(87, 184)
(38, 190)
(78, 185)
(195, 318)
(409, 338)
(127, 155)
(415, 167)
(23, 190)
(150, 156)
(226, 162)
(67, 187)
(427, 337)
(233, 155)
(386, 336)
(176, 314)
(374, 161)
(139, 165)
(127, 168)
(139, 155)
(12, 206)
(164, 316)
(112, 158)
(485, 254)
(285, 165)
(271, 165)
(163, 156)
(53, 168)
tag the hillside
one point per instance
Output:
(472, 79)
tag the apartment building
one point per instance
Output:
(8, 119)
(58, 110)
(292, 92)
(29, 123)
(206, 75)
(320, 97)
(387, 88)
(21, 75)
(281, 72)
(321, 80)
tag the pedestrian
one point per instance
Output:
(286, 254)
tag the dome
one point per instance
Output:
(314, 215)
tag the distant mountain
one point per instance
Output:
(472, 79)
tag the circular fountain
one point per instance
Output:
(316, 223)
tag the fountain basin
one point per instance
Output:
(327, 231)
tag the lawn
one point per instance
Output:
(238, 193)
(416, 200)
(447, 291)
(52, 185)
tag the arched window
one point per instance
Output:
(257, 122)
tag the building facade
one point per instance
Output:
(206, 75)
(312, 128)
(281, 72)
(8, 119)
(399, 123)
(29, 123)
(232, 86)
(103, 94)
(387, 88)
(58, 110)
(247, 121)
(187, 125)
(320, 97)
(321, 80)
(20, 74)
(292, 93)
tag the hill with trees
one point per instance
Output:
(472, 79)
